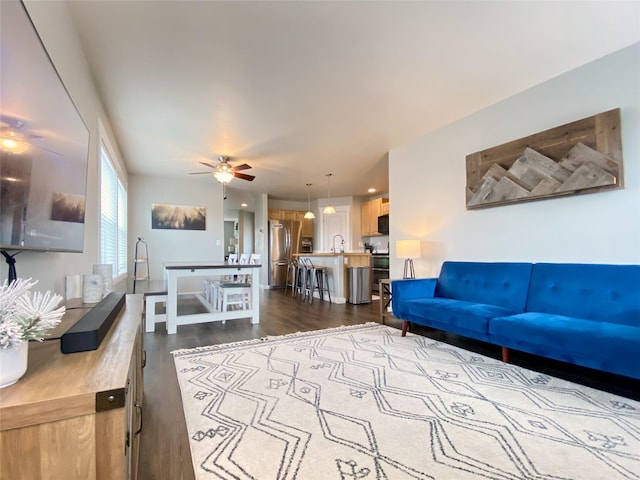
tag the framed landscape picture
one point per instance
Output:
(68, 207)
(178, 217)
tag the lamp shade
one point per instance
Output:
(224, 173)
(408, 249)
(223, 177)
(329, 210)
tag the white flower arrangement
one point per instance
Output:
(26, 315)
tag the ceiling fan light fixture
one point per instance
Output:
(309, 215)
(329, 210)
(13, 142)
(223, 173)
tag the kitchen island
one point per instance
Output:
(337, 265)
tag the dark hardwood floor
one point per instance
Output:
(164, 447)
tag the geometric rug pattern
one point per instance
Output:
(363, 402)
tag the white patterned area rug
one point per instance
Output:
(362, 402)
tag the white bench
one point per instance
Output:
(157, 294)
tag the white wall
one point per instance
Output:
(429, 203)
(58, 34)
(175, 245)
(261, 229)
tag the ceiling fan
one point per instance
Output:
(224, 171)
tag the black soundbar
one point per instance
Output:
(90, 330)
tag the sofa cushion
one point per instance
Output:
(454, 315)
(610, 293)
(601, 345)
(501, 284)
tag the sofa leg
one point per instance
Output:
(505, 354)
(405, 326)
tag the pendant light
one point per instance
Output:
(309, 215)
(328, 210)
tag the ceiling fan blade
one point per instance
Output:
(200, 173)
(244, 166)
(244, 176)
(208, 165)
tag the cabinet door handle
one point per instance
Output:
(139, 407)
(144, 358)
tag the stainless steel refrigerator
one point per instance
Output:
(285, 240)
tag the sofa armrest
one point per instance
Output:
(411, 288)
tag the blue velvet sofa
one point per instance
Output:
(584, 314)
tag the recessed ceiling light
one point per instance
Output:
(372, 190)
(243, 204)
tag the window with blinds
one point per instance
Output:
(113, 217)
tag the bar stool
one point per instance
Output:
(321, 279)
(291, 279)
(316, 279)
(304, 283)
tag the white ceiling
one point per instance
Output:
(300, 89)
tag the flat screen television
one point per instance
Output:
(44, 145)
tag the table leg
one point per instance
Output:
(255, 295)
(172, 303)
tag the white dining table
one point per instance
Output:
(176, 270)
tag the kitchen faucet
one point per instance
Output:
(341, 243)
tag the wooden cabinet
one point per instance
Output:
(133, 404)
(289, 215)
(77, 416)
(370, 211)
(307, 226)
(296, 215)
(274, 214)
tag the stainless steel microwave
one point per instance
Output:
(383, 224)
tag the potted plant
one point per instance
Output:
(24, 316)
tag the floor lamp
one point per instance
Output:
(408, 249)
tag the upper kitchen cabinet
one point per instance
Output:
(370, 211)
(295, 215)
(307, 225)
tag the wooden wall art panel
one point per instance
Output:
(584, 156)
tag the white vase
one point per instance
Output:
(13, 363)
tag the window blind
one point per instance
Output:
(113, 217)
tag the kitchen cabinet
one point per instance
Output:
(296, 215)
(370, 211)
(307, 227)
(77, 416)
(289, 215)
(277, 214)
(274, 214)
